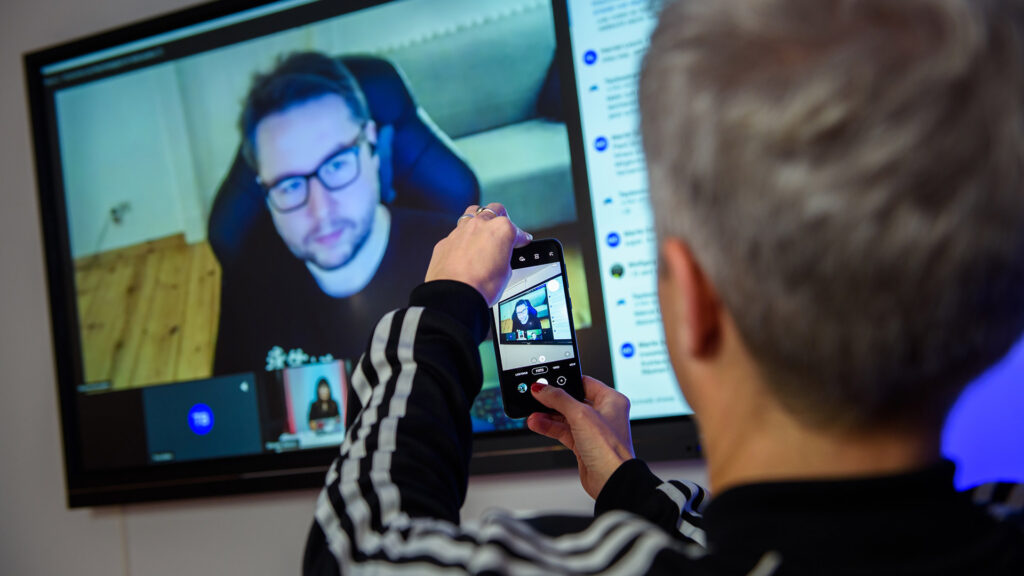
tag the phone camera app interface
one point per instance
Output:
(533, 318)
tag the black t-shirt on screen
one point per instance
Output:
(273, 314)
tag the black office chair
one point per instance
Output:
(417, 169)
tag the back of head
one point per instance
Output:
(294, 80)
(848, 175)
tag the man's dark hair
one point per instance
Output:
(296, 79)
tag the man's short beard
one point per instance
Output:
(355, 250)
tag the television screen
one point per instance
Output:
(233, 195)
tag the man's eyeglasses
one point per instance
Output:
(339, 170)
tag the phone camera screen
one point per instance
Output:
(534, 322)
(534, 335)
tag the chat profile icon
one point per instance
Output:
(200, 419)
(522, 388)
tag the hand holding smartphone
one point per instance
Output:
(534, 336)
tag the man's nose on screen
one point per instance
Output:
(319, 203)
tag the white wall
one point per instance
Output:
(123, 142)
(162, 138)
(252, 535)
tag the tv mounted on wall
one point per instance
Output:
(217, 254)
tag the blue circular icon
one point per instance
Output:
(590, 57)
(522, 388)
(628, 350)
(613, 239)
(200, 419)
(601, 143)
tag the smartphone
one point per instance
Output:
(534, 337)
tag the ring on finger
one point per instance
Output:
(464, 217)
(481, 210)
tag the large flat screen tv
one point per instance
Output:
(233, 194)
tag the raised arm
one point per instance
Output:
(391, 500)
(406, 453)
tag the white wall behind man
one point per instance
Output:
(161, 139)
(252, 535)
(124, 144)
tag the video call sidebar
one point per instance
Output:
(609, 40)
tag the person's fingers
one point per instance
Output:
(605, 399)
(553, 428)
(519, 237)
(593, 388)
(601, 393)
(496, 208)
(556, 399)
(491, 211)
(468, 214)
(522, 238)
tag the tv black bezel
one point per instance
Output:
(494, 452)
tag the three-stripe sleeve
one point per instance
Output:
(675, 506)
(391, 501)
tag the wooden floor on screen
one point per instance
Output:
(148, 313)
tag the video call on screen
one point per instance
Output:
(193, 286)
(533, 318)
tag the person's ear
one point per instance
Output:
(371, 138)
(370, 131)
(690, 305)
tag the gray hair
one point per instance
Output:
(848, 175)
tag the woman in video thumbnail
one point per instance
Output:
(525, 317)
(324, 407)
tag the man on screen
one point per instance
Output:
(839, 196)
(338, 257)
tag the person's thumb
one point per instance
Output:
(555, 398)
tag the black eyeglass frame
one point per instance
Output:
(350, 148)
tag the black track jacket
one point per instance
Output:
(392, 498)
